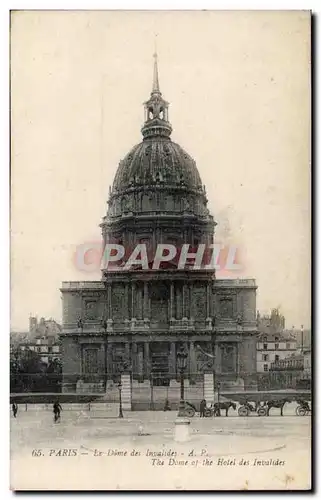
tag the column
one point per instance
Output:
(177, 294)
(105, 347)
(172, 311)
(209, 387)
(192, 359)
(146, 360)
(133, 300)
(190, 301)
(126, 315)
(109, 311)
(140, 361)
(172, 360)
(237, 359)
(109, 360)
(127, 350)
(134, 358)
(183, 301)
(208, 312)
(146, 301)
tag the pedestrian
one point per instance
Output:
(202, 408)
(167, 406)
(217, 410)
(14, 409)
(56, 411)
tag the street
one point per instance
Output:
(139, 451)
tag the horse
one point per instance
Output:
(278, 403)
(226, 405)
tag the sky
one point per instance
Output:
(238, 84)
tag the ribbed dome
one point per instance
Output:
(157, 161)
(157, 193)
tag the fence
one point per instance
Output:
(158, 388)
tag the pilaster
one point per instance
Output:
(172, 360)
(146, 360)
(133, 300)
(172, 293)
(146, 301)
(192, 359)
(126, 315)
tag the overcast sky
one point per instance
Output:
(238, 84)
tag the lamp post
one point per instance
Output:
(181, 365)
(218, 391)
(104, 327)
(120, 414)
(182, 422)
(213, 347)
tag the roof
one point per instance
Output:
(276, 337)
(157, 162)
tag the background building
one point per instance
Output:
(47, 348)
(274, 343)
(42, 338)
(272, 348)
(35, 358)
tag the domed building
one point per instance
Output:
(137, 317)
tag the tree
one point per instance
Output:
(26, 371)
(53, 375)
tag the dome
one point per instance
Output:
(157, 161)
(157, 175)
(157, 193)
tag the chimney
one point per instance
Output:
(32, 324)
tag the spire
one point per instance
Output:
(155, 78)
(156, 110)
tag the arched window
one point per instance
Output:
(146, 204)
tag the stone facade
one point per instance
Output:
(141, 317)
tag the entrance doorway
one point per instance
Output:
(159, 363)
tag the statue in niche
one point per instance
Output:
(125, 204)
(204, 357)
(239, 319)
(226, 308)
(91, 310)
(117, 206)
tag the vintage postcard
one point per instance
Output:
(160, 262)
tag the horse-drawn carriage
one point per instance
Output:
(262, 403)
(213, 410)
(303, 408)
(256, 402)
(247, 407)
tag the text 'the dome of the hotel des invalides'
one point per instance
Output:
(137, 319)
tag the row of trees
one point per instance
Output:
(29, 374)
